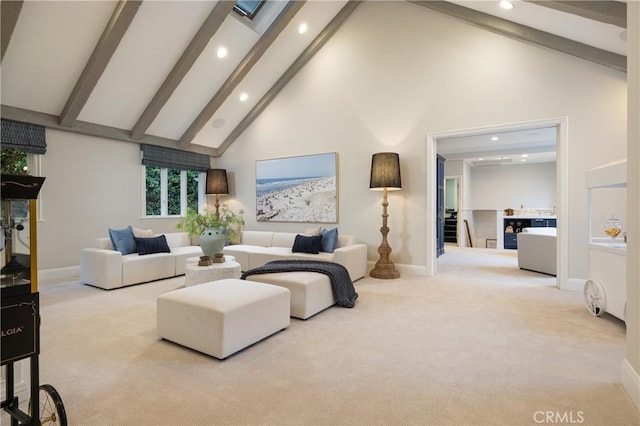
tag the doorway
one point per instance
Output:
(561, 128)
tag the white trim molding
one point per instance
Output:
(631, 382)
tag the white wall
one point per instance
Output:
(92, 184)
(631, 366)
(396, 72)
(501, 187)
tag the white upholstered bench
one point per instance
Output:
(311, 292)
(222, 317)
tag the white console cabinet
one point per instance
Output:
(606, 288)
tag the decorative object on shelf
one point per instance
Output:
(613, 227)
(385, 176)
(508, 212)
(217, 184)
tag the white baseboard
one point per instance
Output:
(403, 269)
(631, 382)
(69, 272)
(574, 284)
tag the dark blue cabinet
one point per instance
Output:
(514, 225)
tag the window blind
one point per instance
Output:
(173, 158)
(23, 137)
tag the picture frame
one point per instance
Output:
(298, 189)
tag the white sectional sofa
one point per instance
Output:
(259, 247)
(107, 268)
(537, 250)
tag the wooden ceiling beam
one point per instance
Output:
(317, 44)
(528, 34)
(199, 42)
(10, 11)
(50, 121)
(247, 63)
(116, 28)
(609, 12)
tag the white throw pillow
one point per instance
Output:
(143, 233)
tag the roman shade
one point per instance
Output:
(23, 137)
(173, 158)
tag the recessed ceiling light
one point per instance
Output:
(480, 159)
(495, 138)
(222, 52)
(243, 96)
(524, 155)
(302, 28)
(505, 4)
(523, 160)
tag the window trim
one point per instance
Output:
(164, 193)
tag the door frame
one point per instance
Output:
(562, 173)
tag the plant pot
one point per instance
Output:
(212, 241)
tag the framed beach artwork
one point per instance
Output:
(297, 189)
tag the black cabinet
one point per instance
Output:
(451, 227)
(513, 226)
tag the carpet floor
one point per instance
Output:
(481, 343)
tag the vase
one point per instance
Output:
(212, 241)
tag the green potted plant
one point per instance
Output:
(232, 222)
(229, 222)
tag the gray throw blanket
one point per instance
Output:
(343, 289)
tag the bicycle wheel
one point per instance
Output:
(51, 407)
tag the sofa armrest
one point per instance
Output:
(354, 258)
(101, 268)
(537, 252)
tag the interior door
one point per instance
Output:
(440, 205)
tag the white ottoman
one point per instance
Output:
(311, 292)
(221, 317)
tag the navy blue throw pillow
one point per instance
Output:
(152, 245)
(303, 244)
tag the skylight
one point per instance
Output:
(248, 8)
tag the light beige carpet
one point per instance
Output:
(482, 343)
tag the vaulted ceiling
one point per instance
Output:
(150, 71)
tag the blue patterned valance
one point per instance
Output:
(173, 158)
(23, 137)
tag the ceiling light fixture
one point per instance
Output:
(523, 160)
(495, 138)
(303, 28)
(243, 96)
(507, 5)
(524, 155)
(222, 52)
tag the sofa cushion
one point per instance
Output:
(329, 240)
(142, 233)
(123, 240)
(283, 239)
(303, 244)
(152, 245)
(346, 240)
(257, 238)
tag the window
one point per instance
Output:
(248, 8)
(170, 192)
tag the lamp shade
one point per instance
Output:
(217, 181)
(385, 171)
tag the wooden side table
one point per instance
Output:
(195, 274)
